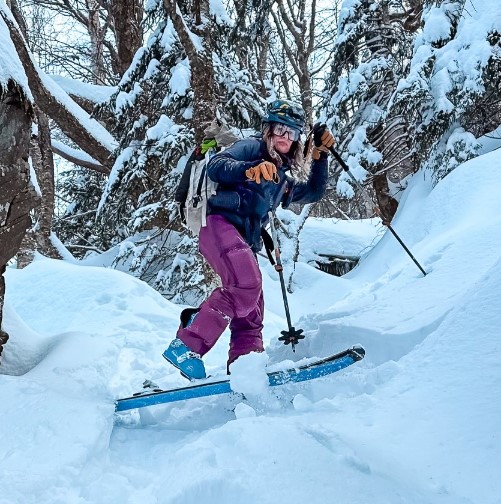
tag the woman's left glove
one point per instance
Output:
(323, 140)
(264, 169)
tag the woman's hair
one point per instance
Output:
(295, 154)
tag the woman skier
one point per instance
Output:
(253, 179)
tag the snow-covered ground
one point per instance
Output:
(417, 422)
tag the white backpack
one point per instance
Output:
(200, 189)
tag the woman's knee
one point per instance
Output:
(246, 282)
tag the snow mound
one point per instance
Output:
(248, 374)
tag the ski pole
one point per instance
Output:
(339, 159)
(293, 335)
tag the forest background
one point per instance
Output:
(102, 102)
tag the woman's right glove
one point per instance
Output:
(264, 169)
(323, 140)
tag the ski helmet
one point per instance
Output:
(285, 112)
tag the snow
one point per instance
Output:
(437, 24)
(34, 178)
(218, 10)
(416, 422)
(179, 83)
(168, 37)
(126, 99)
(490, 141)
(338, 237)
(248, 374)
(74, 153)
(92, 92)
(11, 67)
(462, 59)
(115, 173)
(195, 39)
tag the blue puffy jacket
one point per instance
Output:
(246, 204)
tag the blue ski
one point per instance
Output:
(316, 369)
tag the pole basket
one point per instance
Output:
(292, 336)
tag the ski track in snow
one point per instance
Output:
(415, 422)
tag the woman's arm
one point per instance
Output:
(228, 167)
(314, 188)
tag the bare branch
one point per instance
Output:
(290, 55)
(311, 35)
(290, 24)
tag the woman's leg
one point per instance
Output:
(246, 333)
(241, 293)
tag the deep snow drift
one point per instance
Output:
(416, 422)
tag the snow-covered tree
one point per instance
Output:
(51, 101)
(414, 84)
(372, 48)
(451, 94)
(80, 191)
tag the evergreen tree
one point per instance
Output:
(157, 128)
(451, 94)
(76, 227)
(372, 48)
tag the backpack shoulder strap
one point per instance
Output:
(203, 183)
(184, 184)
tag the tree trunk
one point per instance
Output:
(387, 205)
(96, 34)
(202, 82)
(202, 71)
(37, 239)
(4, 337)
(262, 63)
(127, 17)
(17, 194)
(306, 91)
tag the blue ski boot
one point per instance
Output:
(189, 363)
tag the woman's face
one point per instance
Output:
(283, 137)
(282, 144)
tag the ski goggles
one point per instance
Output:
(280, 129)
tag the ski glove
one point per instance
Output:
(264, 169)
(322, 139)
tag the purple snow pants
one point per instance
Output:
(238, 302)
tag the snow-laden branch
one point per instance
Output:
(93, 93)
(78, 157)
(11, 69)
